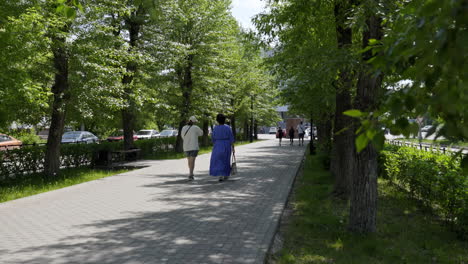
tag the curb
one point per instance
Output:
(276, 236)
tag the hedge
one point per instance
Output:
(29, 160)
(435, 179)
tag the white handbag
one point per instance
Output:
(233, 165)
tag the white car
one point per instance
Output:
(426, 128)
(79, 137)
(147, 133)
(272, 130)
(168, 133)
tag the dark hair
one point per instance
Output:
(221, 119)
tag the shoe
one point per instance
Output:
(191, 178)
(226, 178)
(220, 179)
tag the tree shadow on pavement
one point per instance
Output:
(202, 221)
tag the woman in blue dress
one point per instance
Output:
(223, 143)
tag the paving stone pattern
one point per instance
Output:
(154, 215)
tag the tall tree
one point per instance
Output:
(343, 134)
(195, 33)
(304, 59)
(363, 206)
(25, 59)
(60, 89)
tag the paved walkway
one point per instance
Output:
(153, 215)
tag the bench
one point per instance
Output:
(126, 155)
(106, 158)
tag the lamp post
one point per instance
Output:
(251, 119)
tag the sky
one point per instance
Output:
(244, 10)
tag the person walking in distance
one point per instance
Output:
(280, 135)
(223, 144)
(190, 134)
(301, 131)
(291, 135)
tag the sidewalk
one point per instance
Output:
(154, 215)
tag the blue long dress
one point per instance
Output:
(220, 163)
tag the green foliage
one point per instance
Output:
(28, 161)
(435, 179)
(301, 41)
(316, 230)
(27, 136)
(426, 48)
(225, 70)
(26, 66)
(150, 147)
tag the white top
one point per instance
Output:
(300, 129)
(191, 138)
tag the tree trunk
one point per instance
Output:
(343, 145)
(343, 137)
(205, 138)
(311, 144)
(233, 126)
(251, 120)
(363, 210)
(255, 129)
(246, 129)
(160, 125)
(61, 96)
(186, 87)
(324, 135)
(128, 125)
(128, 113)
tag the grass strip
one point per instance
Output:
(316, 231)
(35, 184)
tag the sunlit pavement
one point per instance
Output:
(154, 215)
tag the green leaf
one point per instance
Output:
(361, 142)
(353, 113)
(370, 133)
(70, 12)
(379, 141)
(373, 42)
(59, 9)
(80, 7)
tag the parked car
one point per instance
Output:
(426, 128)
(272, 130)
(119, 136)
(168, 133)
(9, 142)
(147, 133)
(79, 137)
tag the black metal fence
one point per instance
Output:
(29, 159)
(430, 147)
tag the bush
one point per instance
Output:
(153, 146)
(27, 136)
(29, 160)
(435, 179)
